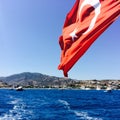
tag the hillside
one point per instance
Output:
(28, 79)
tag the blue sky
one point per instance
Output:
(29, 31)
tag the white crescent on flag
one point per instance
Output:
(97, 5)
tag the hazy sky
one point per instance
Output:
(29, 31)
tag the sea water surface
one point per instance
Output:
(56, 104)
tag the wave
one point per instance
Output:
(17, 112)
(82, 115)
(85, 116)
(65, 103)
(16, 101)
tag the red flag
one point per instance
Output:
(86, 21)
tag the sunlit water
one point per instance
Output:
(53, 104)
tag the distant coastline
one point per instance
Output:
(38, 80)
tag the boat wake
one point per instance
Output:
(17, 111)
(85, 116)
(65, 103)
(79, 114)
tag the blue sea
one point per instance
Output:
(59, 104)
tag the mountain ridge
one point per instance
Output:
(28, 79)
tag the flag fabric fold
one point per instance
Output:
(85, 22)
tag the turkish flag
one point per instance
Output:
(86, 21)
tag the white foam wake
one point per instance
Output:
(79, 114)
(17, 112)
(85, 116)
(65, 103)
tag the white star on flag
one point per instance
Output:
(73, 35)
